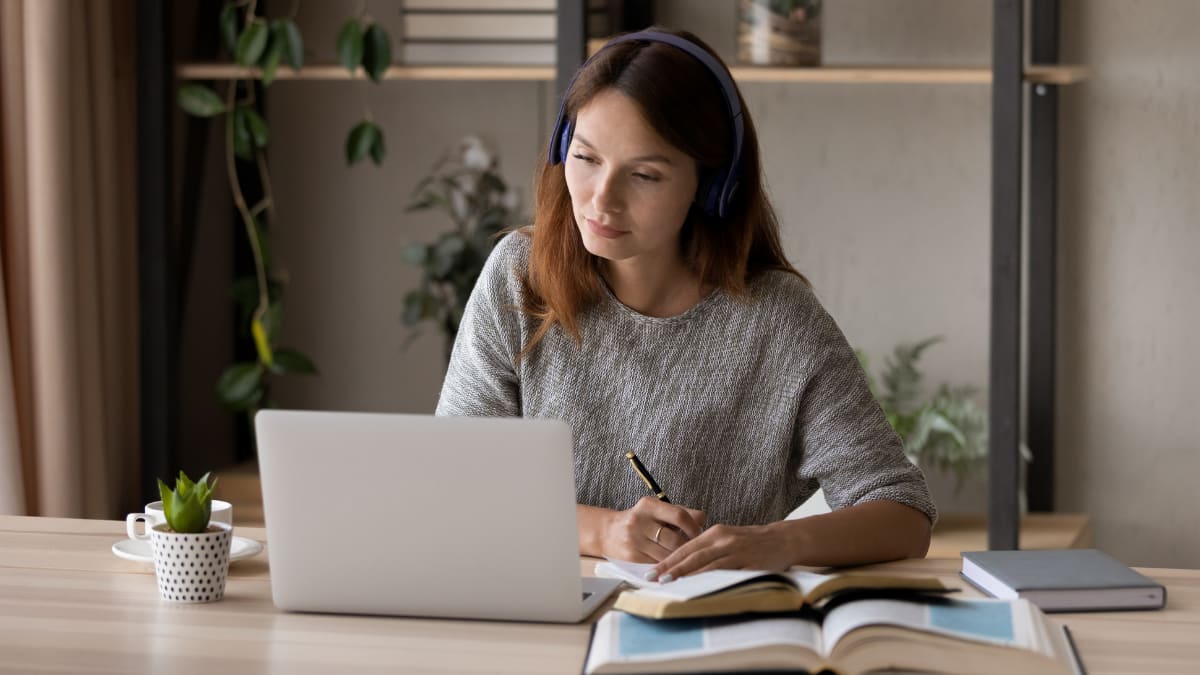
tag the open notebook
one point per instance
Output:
(723, 592)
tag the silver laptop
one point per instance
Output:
(417, 515)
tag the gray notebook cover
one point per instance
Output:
(1083, 570)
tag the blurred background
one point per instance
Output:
(883, 191)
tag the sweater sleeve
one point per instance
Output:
(845, 442)
(482, 380)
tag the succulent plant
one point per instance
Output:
(188, 507)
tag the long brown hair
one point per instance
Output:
(682, 101)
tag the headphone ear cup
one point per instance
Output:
(564, 140)
(708, 193)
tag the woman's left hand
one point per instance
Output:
(764, 547)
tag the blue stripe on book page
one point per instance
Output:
(637, 636)
(990, 620)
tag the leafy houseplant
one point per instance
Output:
(946, 431)
(466, 186)
(188, 506)
(259, 46)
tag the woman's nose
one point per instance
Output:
(607, 197)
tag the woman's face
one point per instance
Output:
(630, 189)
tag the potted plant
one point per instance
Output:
(191, 553)
(465, 185)
(945, 431)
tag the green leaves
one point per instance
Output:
(467, 188)
(252, 43)
(368, 46)
(377, 52)
(419, 305)
(947, 431)
(288, 33)
(240, 386)
(229, 25)
(292, 362)
(257, 128)
(365, 139)
(199, 100)
(187, 507)
(350, 45)
(243, 142)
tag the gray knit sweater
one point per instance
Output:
(740, 408)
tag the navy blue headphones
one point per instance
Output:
(716, 191)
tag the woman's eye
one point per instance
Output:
(585, 158)
(646, 177)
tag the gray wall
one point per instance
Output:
(1128, 279)
(884, 195)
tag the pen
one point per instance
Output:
(646, 477)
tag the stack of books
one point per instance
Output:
(487, 32)
(740, 621)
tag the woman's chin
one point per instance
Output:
(603, 248)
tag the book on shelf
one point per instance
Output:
(493, 5)
(478, 53)
(965, 637)
(492, 26)
(524, 22)
(725, 592)
(1062, 580)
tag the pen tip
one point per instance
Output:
(629, 454)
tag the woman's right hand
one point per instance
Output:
(649, 531)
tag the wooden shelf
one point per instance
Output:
(228, 71)
(1057, 74)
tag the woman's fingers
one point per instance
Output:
(679, 517)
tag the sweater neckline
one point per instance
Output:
(682, 317)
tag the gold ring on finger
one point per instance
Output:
(657, 532)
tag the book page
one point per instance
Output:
(1000, 622)
(685, 588)
(631, 573)
(624, 638)
(807, 582)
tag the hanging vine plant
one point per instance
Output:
(261, 45)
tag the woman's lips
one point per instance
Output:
(603, 230)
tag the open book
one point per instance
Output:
(722, 592)
(971, 637)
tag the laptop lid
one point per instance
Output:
(417, 515)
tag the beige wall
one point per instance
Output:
(1129, 279)
(884, 192)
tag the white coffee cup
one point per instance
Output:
(222, 512)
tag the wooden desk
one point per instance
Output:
(68, 605)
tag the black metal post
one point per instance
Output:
(1043, 251)
(571, 46)
(1005, 352)
(157, 295)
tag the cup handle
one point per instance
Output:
(131, 525)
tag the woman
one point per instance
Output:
(652, 308)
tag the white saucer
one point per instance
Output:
(139, 550)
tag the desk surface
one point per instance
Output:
(67, 604)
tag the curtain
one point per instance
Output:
(68, 397)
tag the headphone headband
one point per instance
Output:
(715, 194)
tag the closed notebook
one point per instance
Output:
(1066, 580)
(726, 592)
